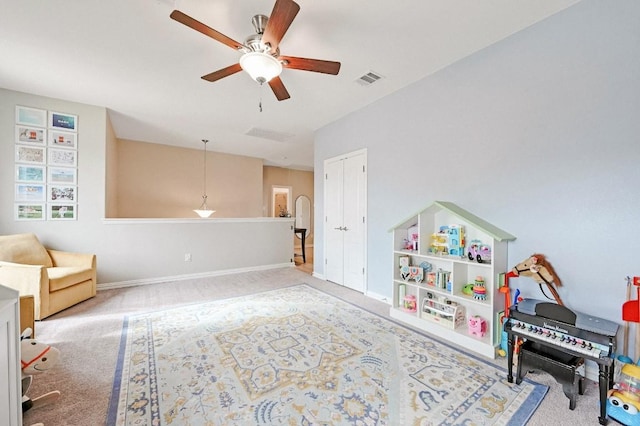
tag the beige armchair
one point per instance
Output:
(56, 279)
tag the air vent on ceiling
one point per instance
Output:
(269, 134)
(368, 78)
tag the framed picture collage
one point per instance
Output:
(46, 165)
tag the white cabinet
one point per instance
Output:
(449, 288)
(10, 392)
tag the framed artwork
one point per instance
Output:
(62, 212)
(63, 139)
(31, 116)
(29, 192)
(30, 154)
(63, 157)
(26, 173)
(62, 175)
(62, 193)
(62, 121)
(30, 211)
(30, 135)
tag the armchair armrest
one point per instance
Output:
(27, 279)
(64, 258)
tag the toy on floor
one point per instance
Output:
(623, 402)
(537, 267)
(36, 358)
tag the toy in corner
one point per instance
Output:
(623, 400)
(36, 358)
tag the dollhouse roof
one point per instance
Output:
(481, 224)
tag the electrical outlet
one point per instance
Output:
(187, 257)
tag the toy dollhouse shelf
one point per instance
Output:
(442, 233)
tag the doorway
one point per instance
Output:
(281, 201)
(345, 195)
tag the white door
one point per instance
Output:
(345, 220)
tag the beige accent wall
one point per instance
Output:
(301, 183)
(111, 178)
(161, 181)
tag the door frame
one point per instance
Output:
(363, 152)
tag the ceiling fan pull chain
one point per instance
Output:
(260, 101)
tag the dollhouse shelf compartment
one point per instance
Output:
(417, 231)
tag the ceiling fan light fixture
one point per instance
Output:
(262, 67)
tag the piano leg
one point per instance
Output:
(604, 379)
(509, 356)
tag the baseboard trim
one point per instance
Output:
(378, 297)
(160, 280)
(318, 276)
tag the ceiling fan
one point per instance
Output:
(261, 56)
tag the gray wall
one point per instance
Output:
(538, 134)
(129, 251)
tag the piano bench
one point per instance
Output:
(565, 368)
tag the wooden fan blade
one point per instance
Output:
(224, 72)
(278, 89)
(315, 65)
(176, 15)
(281, 18)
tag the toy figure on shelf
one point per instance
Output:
(537, 267)
(415, 273)
(438, 244)
(411, 242)
(468, 290)
(479, 252)
(456, 240)
(410, 304)
(477, 326)
(479, 289)
(448, 240)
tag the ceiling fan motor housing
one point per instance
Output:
(259, 23)
(254, 41)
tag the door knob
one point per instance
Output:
(345, 229)
(338, 229)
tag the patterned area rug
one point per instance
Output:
(297, 356)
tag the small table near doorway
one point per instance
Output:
(303, 235)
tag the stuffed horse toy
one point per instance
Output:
(538, 268)
(36, 358)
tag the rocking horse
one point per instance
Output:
(537, 267)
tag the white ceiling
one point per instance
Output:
(130, 57)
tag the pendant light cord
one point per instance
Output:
(204, 197)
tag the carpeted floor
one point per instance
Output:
(88, 336)
(299, 356)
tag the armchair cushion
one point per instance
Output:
(66, 276)
(24, 249)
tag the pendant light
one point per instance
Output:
(203, 211)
